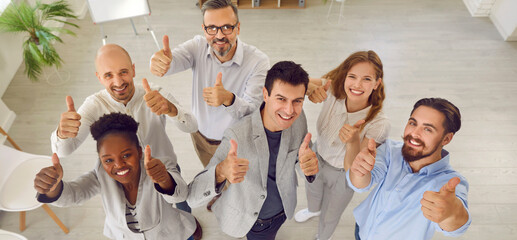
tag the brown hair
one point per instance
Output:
(338, 76)
(452, 122)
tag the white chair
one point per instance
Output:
(5, 235)
(17, 193)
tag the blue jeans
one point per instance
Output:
(357, 232)
(266, 229)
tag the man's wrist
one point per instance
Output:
(230, 99)
(219, 176)
(173, 111)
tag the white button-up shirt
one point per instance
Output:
(332, 117)
(244, 75)
(151, 127)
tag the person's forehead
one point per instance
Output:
(428, 115)
(219, 17)
(113, 61)
(288, 90)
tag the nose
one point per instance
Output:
(289, 108)
(119, 163)
(118, 81)
(219, 34)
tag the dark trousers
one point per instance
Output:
(357, 232)
(266, 229)
(183, 205)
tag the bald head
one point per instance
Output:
(111, 51)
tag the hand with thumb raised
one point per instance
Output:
(320, 93)
(155, 169)
(350, 134)
(217, 95)
(232, 168)
(307, 158)
(69, 122)
(48, 180)
(161, 60)
(157, 102)
(444, 207)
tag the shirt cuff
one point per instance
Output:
(219, 186)
(360, 190)
(42, 198)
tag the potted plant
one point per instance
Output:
(38, 48)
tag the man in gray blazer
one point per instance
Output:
(259, 155)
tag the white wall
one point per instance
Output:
(11, 59)
(504, 17)
(479, 8)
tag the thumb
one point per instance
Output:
(306, 141)
(147, 153)
(219, 79)
(70, 103)
(359, 123)
(372, 147)
(327, 85)
(450, 187)
(166, 47)
(233, 148)
(147, 88)
(56, 164)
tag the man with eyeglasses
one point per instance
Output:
(228, 74)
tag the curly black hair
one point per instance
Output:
(112, 123)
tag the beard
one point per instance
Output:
(221, 52)
(411, 155)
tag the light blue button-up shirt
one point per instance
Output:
(393, 209)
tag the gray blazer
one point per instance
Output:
(157, 218)
(238, 207)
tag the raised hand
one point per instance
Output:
(48, 179)
(217, 95)
(442, 206)
(232, 168)
(161, 60)
(156, 102)
(308, 159)
(349, 133)
(365, 160)
(70, 121)
(155, 169)
(320, 93)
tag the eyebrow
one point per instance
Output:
(280, 95)
(107, 155)
(349, 73)
(425, 124)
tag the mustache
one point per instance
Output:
(221, 40)
(408, 138)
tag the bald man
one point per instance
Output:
(149, 106)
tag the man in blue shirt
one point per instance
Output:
(417, 191)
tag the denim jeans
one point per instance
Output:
(357, 232)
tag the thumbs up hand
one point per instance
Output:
(48, 180)
(307, 158)
(443, 205)
(161, 60)
(69, 122)
(232, 168)
(158, 103)
(320, 93)
(157, 171)
(349, 133)
(365, 160)
(217, 95)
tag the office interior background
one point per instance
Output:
(451, 49)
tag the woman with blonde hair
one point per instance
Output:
(352, 96)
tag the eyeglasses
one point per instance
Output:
(226, 29)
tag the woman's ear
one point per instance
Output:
(378, 83)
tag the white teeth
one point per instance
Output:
(286, 118)
(414, 142)
(355, 91)
(119, 89)
(120, 173)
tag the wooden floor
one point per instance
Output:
(430, 48)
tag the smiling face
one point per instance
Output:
(223, 45)
(424, 135)
(282, 106)
(359, 84)
(120, 158)
(116, 72)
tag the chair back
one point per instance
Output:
(17, 172)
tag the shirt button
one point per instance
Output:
(262, 196)
(256, 214)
